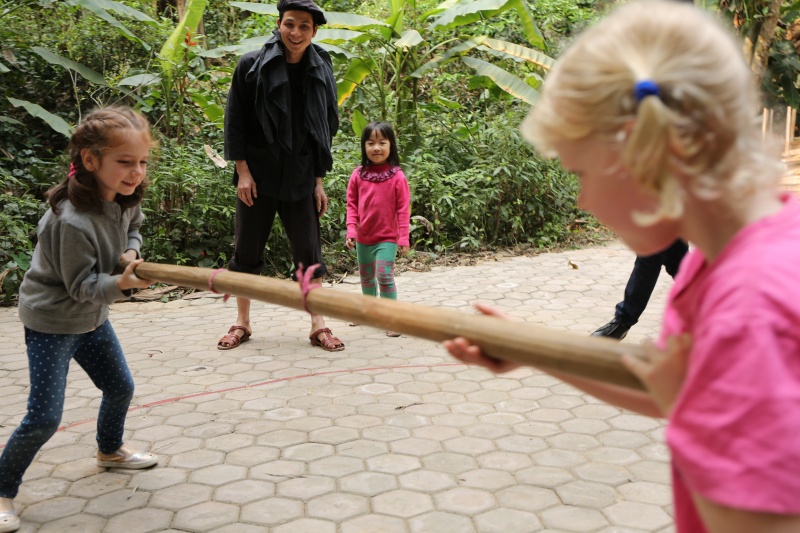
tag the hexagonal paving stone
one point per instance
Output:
(392, 463)
(440, 522)
(338, 507)
(647, 492)
(469, 445)
(277, 471)
(587, 494)
(139, 521)
(180, 496)
(98, 485)
(640, 515)
(362, 448)
(373, 523)
(451, 463)
(116, 502)
(427, 481)
(206, 516)
(333, 435)
(308, 451)
(158, 478)
(465, 501)
(368, 483)
(197, 459)
(218, 474)
(505, 520)
(416, 446)
(544, 476)
(81, 523)
(252, 456)
(527, 498)
(305, 488)
(573, 518)
(402, 503)
(336, 466)
(283, 438)
(244, 491)
(272, 511)
(487, 479)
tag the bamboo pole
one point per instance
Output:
(580, 355)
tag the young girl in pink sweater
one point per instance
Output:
(378, 211)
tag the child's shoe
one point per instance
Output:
(126, 458)
(9, 521)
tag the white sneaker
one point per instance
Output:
(127, 458)
(9, 521)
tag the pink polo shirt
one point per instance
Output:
(735, 429)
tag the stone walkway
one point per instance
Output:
(391, 435)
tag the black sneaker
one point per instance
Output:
(616, 329)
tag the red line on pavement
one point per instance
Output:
(253, 385)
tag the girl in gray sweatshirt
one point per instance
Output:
(93, 222)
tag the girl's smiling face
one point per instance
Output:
(119, 170)
(377, 148)
(611, 194)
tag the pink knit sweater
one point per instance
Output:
(378, 211)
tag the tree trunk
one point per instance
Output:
(758, 44)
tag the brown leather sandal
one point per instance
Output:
(328, 343)
(231, 340)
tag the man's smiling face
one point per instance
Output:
(297, 28)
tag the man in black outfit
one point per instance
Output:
(640, 286)
(280, 117)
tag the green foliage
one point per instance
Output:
(475, 184)
(189, 207)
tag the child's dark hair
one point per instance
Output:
(98, 132)
(384, 129)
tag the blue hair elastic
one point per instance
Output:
(645, 88)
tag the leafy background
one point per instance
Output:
(455, 78)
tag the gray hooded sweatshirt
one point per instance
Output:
(69, 285)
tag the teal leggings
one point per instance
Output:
(376, 263)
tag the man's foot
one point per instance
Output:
(233, 339)
(126, 458)
(9, 521)
(616, 329)
(325, 340)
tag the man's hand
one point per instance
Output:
(246, 190)
(662, 371)
(403, 250)
(350, 243)
(320, 198)
(128, 256)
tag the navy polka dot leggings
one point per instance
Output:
(100, 355)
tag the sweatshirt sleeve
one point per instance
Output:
(403, 208)
(73, 257)
(134, 236)
(352, 206)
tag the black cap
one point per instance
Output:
(303, 5)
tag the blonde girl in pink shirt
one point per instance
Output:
(655, 110)
(378, 211)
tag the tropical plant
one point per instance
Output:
(388, 60)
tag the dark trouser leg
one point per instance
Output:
(674, 255)
(253, 225)
(102, 359)
(48, 362)
(301, 223)
(640, 286)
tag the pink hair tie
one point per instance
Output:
(211, 283)
(304, 279)
(72, 171)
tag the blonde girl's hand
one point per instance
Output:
(129, 280)
(350, 243)
(403, 250)
(469, 353)
(662, 371)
